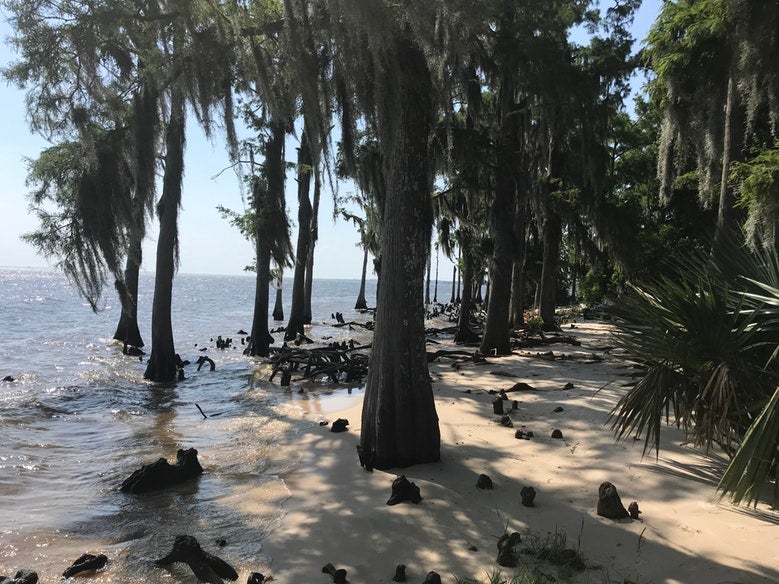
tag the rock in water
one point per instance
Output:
(528, 495)
(484, 482)
(21, 577)
(207, 567)
(609, 504)
(161, 474)
(86, 563)
(404, 490)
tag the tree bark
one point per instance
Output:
(278, 307)
(496, 329)
(435, 286)
(307, 293)
(552, 234)
(361, 304)
(127, 330)
(427, 281)
(517, 306)
(399, 420)
(454, 283)
(161, 366)
(464, 333)
(265, 201)
(295, 326)
(728, 216)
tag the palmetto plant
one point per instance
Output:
(707, 335)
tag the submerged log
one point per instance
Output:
(162, 474)
(206, 567)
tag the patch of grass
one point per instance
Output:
(554, 549)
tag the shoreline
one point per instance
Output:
(337, 513)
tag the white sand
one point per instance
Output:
(337, 512)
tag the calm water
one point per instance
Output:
(79, 418)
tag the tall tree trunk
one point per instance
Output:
(295, 326)
(459, 276)
(464, 333)
(551, 237)
(127, 330)
(435, 287)
(399, 419)
(309, 288)
(361, 304)
(278, 307)
(265, 198)
(161, 366)
(496, 337)
(728, 216)
(552, 234)
(427, 282)
(517, 307)
(454, 284)
(146, 124)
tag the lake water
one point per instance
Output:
(79, 418)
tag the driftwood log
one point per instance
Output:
(206, 567)
(336, 363)
(162, 474)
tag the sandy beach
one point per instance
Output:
(337, 511)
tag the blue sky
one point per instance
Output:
(208, 244)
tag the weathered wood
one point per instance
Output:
(86, 563)
(162, 474)
(337, 363)
(206, 567)
(21, 577)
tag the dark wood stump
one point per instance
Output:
(338, 575)
(507, 555)
(400, 573)
(340, 425)
(162, 474)
(432, 578)
(404, 490)
(528, 495)
(609, 504)
(484, 482)
(21, 577)
(206, 567)
(86, 563)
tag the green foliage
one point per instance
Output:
(707, 338)
(757, 184)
